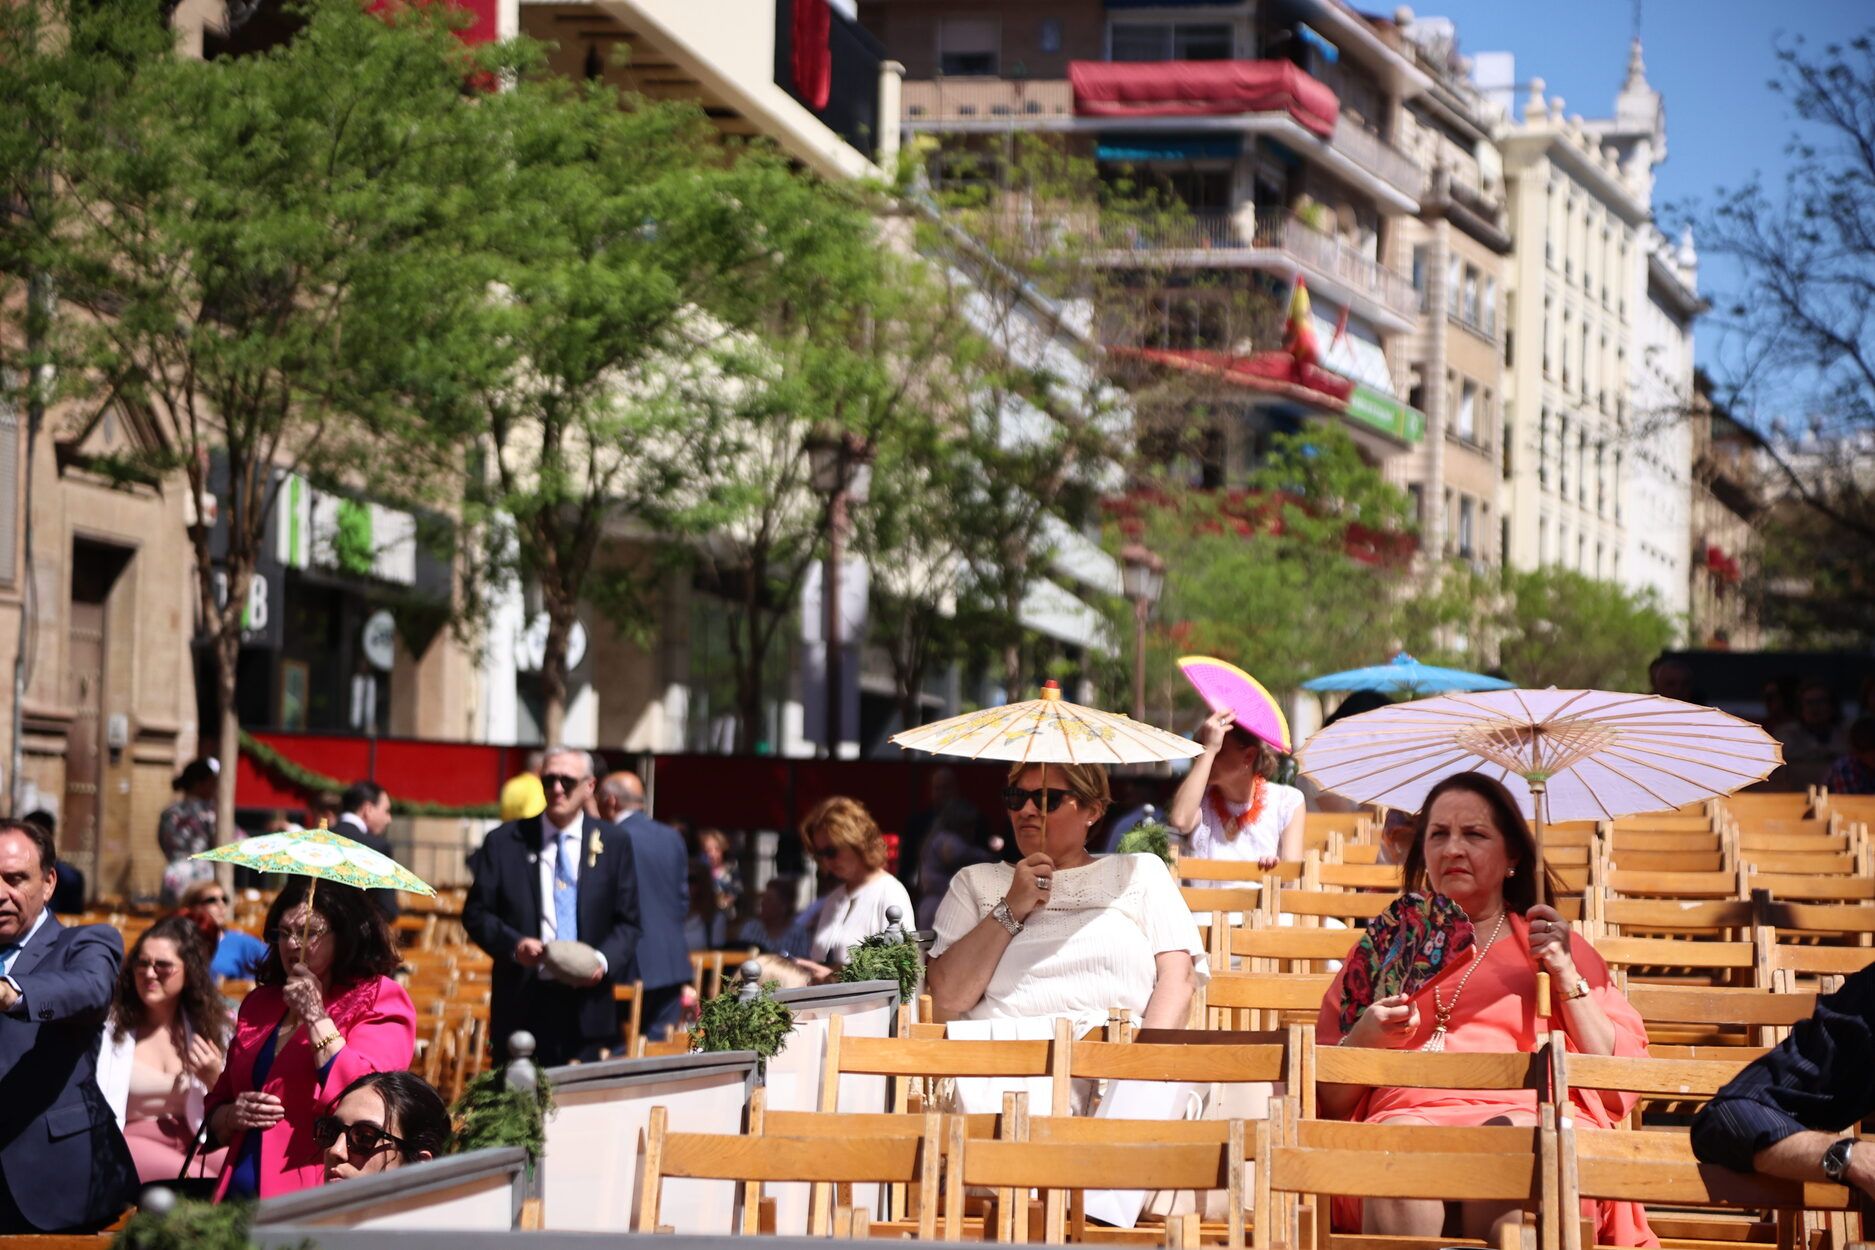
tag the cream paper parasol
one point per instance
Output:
(1048, 730)
(1563, 755)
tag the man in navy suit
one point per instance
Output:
(64, 1166)
(663, 864)
(561, 875)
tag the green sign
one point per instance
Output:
(1384, 413)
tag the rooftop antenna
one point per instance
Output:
(1637, 19)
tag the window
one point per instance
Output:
(1420, 261)
(1470, 306)
(1170, 41)
(1490, 306)
(1049, 38)
(969, 47)
(1417, 494)
(1453, 277)
(1466, 424)
(1563, 477)
(1542, 449)
(1545, 333)
(1467, 522)
(1601, 482)
(1542, 540)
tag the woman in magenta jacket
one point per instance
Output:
(323, 1013)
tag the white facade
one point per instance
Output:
(1579, 209)
(1657, 495)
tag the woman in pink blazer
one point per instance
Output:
(323, 1013)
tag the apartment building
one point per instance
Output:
(1660, 483)
(1579, 202)
(1459, 248)
(1275, 126)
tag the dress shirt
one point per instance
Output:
(9, 954)
(550, 840)
(1821, 1077)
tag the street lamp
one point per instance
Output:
(1142, 577)
(840, 468)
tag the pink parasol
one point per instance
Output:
(1225, 687)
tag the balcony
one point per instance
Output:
(1279, 240)
(962, 104)
(1377, 157)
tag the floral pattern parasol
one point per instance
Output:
(323, 854)
(1402, 951)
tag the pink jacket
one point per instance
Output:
(380, 1029)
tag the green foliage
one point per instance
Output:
(1567, 630)
(1151, 837)
(884, 957)
(761, 1024)
(191, 1226)
(490, 1114)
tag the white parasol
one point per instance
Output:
(1048, 730)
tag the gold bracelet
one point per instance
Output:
(1581, 990)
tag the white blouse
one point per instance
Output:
(847, 919)
(1261, 839)
(1092, 948)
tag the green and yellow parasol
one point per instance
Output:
(322, 855)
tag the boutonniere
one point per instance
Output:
(595, 847)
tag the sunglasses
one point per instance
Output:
(826, 854)
(560, 781)
(1048, 798)
(213, 900)
(362, 1140)
(161, 967)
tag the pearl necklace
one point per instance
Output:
(1442, 1010)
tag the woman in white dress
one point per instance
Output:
(847, 845)
(1063, 933)
(1228, 806)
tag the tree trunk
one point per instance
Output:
(553, 675)
(228, 748)
(749, 702)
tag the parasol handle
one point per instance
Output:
(305, 928)
(1538, 791)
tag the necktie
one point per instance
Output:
(7, 956)
(566, 889)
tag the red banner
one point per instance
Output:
(1202, 89)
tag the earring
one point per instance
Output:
(1511, 873)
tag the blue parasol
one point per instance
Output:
(1405, 675)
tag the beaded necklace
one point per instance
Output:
(1234, 825)
(1442, 1010)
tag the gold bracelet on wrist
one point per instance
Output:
(1579, 990)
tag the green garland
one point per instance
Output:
(490, 1114)
(884, 957)
(190, 1226)
(306, 779)
(762, 1024)
(1149, 837)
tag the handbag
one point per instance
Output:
(200, 1187)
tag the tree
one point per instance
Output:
(1298, 576)
(1561, 628)
(231, 243)
(612, 237)
(1799, 359)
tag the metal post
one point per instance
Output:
(1140, 609)
(830, 590)
(751, 987)
(36, 314)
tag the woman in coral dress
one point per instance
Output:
(1474, 848)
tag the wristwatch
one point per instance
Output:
(1005, 919)
(1836, 1158)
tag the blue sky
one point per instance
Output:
(1710, 59)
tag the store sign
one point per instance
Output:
(530, 646)
(258, 616)
(379, 640)
(315, 529)
(1382, 412)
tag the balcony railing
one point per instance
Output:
(1275, 230)
(1378, 157)
(950, 101)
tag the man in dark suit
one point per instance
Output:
(64, 1166)
(364, 815)
(558, 876)
(663, 864)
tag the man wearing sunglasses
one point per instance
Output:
(558, 877)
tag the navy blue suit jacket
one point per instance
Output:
(504, 906)
(63, 1158)
(663, 864)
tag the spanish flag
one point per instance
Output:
(1299, 331)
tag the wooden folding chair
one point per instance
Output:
(1402, 1069)
(1632, 883)
(1263, 1000)
(1263, 948)
(1232, 1137)
(1746, 808)
(1808, 888)
(1680, 960)
(1058, 1168)
(1320, 875)
(1695, 1015)
(906, 1059)
(1659, 1168)
(820, 1161)
(1331, 1158)
(631, 1019)
(1310, 907)
(1727, 919)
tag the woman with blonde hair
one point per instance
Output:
(1064, 933)
(846, 845)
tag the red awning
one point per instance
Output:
(1202, 89)
(1276, 372)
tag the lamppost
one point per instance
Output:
(1142, 577)
(840, 465)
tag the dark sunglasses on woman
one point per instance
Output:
(1048, 798)
(362, 1139)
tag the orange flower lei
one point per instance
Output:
(1234, 825)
